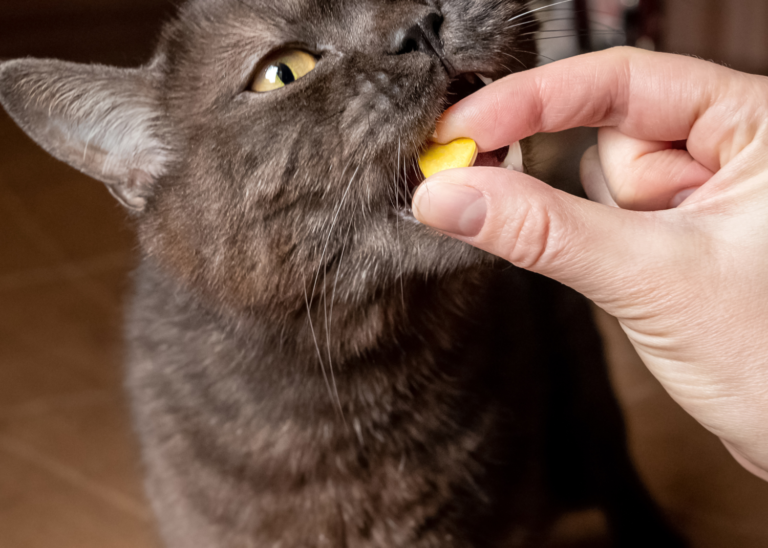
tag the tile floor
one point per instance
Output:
(69, 469)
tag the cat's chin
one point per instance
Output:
(406, 214)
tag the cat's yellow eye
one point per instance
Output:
(282, 68)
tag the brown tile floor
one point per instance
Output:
(69, 472)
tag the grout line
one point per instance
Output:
(75, 478)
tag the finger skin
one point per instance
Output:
(623, 88)
(598, 250)
(646, 175)
(593, 179)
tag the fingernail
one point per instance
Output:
(457, 209)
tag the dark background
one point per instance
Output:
(115, 31)
(69, 469)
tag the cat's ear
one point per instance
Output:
(103, 121)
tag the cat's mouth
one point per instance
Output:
(462, 86)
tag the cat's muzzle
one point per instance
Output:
(460, 87)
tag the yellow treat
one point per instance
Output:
(459, 153)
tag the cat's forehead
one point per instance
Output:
(211, 27)
(285, 16)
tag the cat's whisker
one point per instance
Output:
(533, 24)
(525, 67)
(329, 322)
(322, 266)
(336, 281)
(532, 53)
(397, 224)
(570, 19)
(578, 34)
(325, 313)
(317, 346)
(335, 392)
(394, 199)
(529, 12)
(333, 224)
(532, 21)
(569, 26)
(397, 173)
(537, 16)
(553, 31)
(312, 297)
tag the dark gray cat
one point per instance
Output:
(308, 365)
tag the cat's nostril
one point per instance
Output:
(433, 22)
(410, 40)
(420, 35)
(409, 46)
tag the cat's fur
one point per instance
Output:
(308, 366)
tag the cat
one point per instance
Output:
(309, 366)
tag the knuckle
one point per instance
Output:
(531, 236)
(625, 194)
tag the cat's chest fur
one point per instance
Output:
(420, 435)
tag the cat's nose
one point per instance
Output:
(422, 34)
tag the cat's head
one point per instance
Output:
(260, 194)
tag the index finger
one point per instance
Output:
(649, 96)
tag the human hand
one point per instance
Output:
(689, 285)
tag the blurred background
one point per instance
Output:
(69, 468)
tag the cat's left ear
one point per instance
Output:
(103, 121)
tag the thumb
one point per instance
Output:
(606, 253)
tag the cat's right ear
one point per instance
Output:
(103, 121)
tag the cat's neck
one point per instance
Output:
(404, 339)
(259, 400)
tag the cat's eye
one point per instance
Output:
(282, 68)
